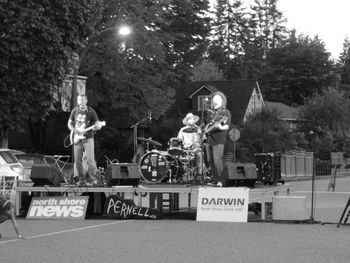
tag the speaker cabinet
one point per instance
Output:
(46, 174)
(123, 174)
(240, 174)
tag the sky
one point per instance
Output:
(329, 19)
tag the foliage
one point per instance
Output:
(242, 37)
(297, 69)
(343, 66)
(36, 43)
(186, 27)
(207, 70)
(327, 116)
(265, 132)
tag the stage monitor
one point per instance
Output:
(122, 174)
(46, 174)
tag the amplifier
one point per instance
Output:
(123, 174)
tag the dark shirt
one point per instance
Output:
(217, 136)
(84, 118)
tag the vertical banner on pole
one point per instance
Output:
(69, 95)
(66, 94)
(229, 204)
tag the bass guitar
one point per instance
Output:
(78, 135)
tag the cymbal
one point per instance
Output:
(149, 141)
(190, 130)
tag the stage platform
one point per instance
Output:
(165, 197)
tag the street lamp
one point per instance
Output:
(122, 30)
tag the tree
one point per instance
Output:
(186, 27)
(37, 41)
(265, 132)
(230, 31)
(327, 115)
(242, 37)
(343, 66)
(297, 69)
(207, 70)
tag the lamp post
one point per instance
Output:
(312, 219)
(122, 31)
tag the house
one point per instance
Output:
(290, 115)
(243, 97)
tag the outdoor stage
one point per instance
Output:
(164, 197)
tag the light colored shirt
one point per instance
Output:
(190, 139)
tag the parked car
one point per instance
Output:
(9, 165)
(28, 160)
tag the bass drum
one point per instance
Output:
(157, 166)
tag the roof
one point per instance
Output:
(238, 93)
(285, 112)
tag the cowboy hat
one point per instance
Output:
(188, 116)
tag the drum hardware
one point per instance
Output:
(148, 142)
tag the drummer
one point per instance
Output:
(190, 135)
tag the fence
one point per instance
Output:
(297, 164)
(300, 164)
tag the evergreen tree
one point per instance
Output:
(206, 70)
(297, 69)
(230, 31)
(343, 66)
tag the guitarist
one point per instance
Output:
(217, 129)
(80, 118)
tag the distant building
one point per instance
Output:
(288, 114)
(243, 97)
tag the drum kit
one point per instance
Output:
(175, 165)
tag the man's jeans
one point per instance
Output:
(87, 145)
(215, 158)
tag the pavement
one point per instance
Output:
(179, 238)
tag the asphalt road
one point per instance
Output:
(182, 239)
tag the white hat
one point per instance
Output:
(189, 116)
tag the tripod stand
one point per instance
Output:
(347, 206)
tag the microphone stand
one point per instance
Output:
(203, 146)
(134, 126)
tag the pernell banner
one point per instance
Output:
(229, 204)
(57, 207)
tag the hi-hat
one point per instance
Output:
(149, 141)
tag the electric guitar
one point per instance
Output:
(213, 124)
(78, 135)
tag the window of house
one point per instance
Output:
(204, 102)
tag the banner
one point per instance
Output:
(119, 208)
(67, 92)
(229, 204)
(58, 207)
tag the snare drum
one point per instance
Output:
(175, 146)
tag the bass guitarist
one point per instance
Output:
(216, 132)
(80, 118)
